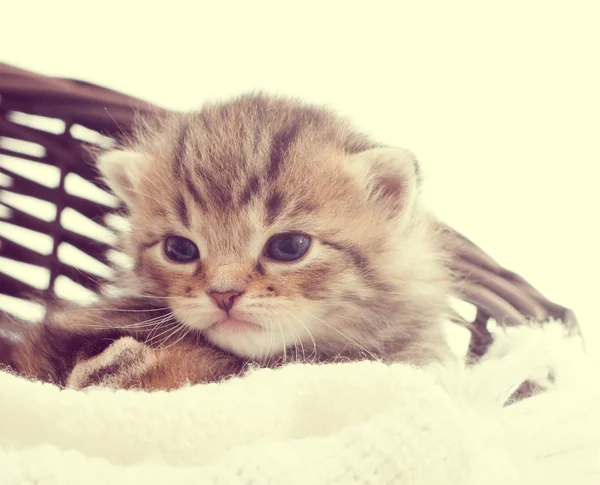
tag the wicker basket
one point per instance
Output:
(57, 117)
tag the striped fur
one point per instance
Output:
(375, 280)
(373, 284)
(119, 342)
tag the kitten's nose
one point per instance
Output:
(225, 299)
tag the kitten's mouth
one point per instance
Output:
(234, 325)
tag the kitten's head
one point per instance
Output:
(270, 226)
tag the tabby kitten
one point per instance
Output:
(266, 224)
(275, 230)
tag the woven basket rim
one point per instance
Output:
(495, 291)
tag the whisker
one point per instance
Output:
(296, 338)
(185, 331)
(121, 130)
(109, 326)
(144, 195)
(147, 323)
(125, 310)
(157, 326)
(97, 281)
(92, 322)
(261, 352)
(294, 342)
(143, 323)
(175, 329)
(100, 317)
(301, 345)
(283, 341)
(310, 335)
(270, 354)
(168, 322)
(152, 297)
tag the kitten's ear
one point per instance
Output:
(390, 177)
(120, 169)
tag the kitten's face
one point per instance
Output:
(273, 229)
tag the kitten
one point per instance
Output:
(276, 231)
(266, 223)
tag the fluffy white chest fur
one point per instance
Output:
(353, 423)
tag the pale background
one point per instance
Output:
(500, 101)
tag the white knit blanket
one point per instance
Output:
(356, 423)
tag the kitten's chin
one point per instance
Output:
(234, 326)
(244, 339)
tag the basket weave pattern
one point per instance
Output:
(39, 162)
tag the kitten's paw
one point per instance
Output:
(119, 366)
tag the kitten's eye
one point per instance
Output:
(288, 247)
(180, 249)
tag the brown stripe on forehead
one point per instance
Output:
(303, 208)
(179, 152)
(180, 168)
(250, 190)
(280, 147)
(273, 207)
(216, 191)
(182, 211)
(193, 191)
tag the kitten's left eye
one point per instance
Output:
(288, 247)
(180, 250)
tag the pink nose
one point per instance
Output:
(224, 300)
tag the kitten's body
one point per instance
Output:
(116, 342)
(374, 282)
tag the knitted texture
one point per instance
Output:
(353, 423)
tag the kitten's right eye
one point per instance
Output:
(288, 247)
(180, 250)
